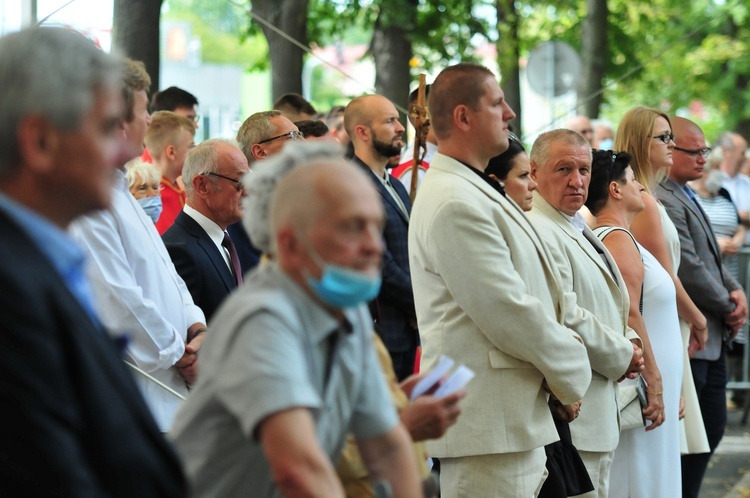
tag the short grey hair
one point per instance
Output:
(202, 158)
(52, 72)
(714, 160)
(267, 174)
(540, 151)
(255, 128)
(725, 141)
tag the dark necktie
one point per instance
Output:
(236, 268)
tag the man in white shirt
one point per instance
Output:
(201, 249)
(138, 292)
(733, 148)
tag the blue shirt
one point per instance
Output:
(63, 252)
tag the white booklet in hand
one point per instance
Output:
(458, 379)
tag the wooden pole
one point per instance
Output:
(419, 112)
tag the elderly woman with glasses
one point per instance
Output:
(646, 462)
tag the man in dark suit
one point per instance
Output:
(202, 251)
(372, 123)
(716, 293)
(74, 423)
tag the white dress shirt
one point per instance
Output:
(139, 293)
(214, 232)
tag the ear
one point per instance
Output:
(534, 170)
(169, 152)
(200, 185)
(362, 132)
(38, 141)
(288, 248)
(258, 152)
(615, 190)
(494, 177)
(461, 118)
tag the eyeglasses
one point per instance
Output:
(194, 119)
(665, 137)
(705, 151)
(237, 183)
(292, 135)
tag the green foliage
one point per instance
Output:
(217, 23)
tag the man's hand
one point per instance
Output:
(187, 366)
(636, 364)
(737, 318)
(727, 246)
(566, 413)
(428, 417)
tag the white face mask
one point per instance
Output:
(152, 206)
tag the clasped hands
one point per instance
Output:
(187, 365)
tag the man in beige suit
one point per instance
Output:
(487, 293)
(561, 166)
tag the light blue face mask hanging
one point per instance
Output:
(152, 206)
(606, 144)
(341, 287)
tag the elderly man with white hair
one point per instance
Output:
(289, 367)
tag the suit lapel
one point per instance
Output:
(192, 228)
(698, 213)
(387, 197)
(450, 165)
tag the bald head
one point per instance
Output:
(688, 162)
(327, 213)
(372, 124)
(582, 126)
(305, 195)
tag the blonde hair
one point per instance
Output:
(634, 137)
(165, 130)
(136, 170)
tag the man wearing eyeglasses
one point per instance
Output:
(711, 287)
(262, 135)
(202, 251)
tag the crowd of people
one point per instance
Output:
(264, 316)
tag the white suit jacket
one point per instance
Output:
(599, 315)
(488, 295)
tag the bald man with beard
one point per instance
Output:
(372, 124)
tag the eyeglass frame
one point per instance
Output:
(665, 135)
(238, 185)
(293, 135)
(705, 151)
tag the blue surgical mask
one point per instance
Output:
(152, 206)
(606, 144)
(341, 287)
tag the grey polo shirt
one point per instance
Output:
(267, 351)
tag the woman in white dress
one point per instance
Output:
(646, 461)
(646, 134)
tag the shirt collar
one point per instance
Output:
(577, 220)
(214, 231)
(64, 253)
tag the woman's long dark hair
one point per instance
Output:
(501, 165)
(606, 166)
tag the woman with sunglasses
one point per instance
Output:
(646, 134)
(646, 462)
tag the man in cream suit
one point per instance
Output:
(487, 293)
(561, 166)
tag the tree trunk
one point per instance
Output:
(290, 16)
(135, 33)
(594, 57)
(507, 58)
(391, 50)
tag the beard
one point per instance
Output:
(385, 149)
